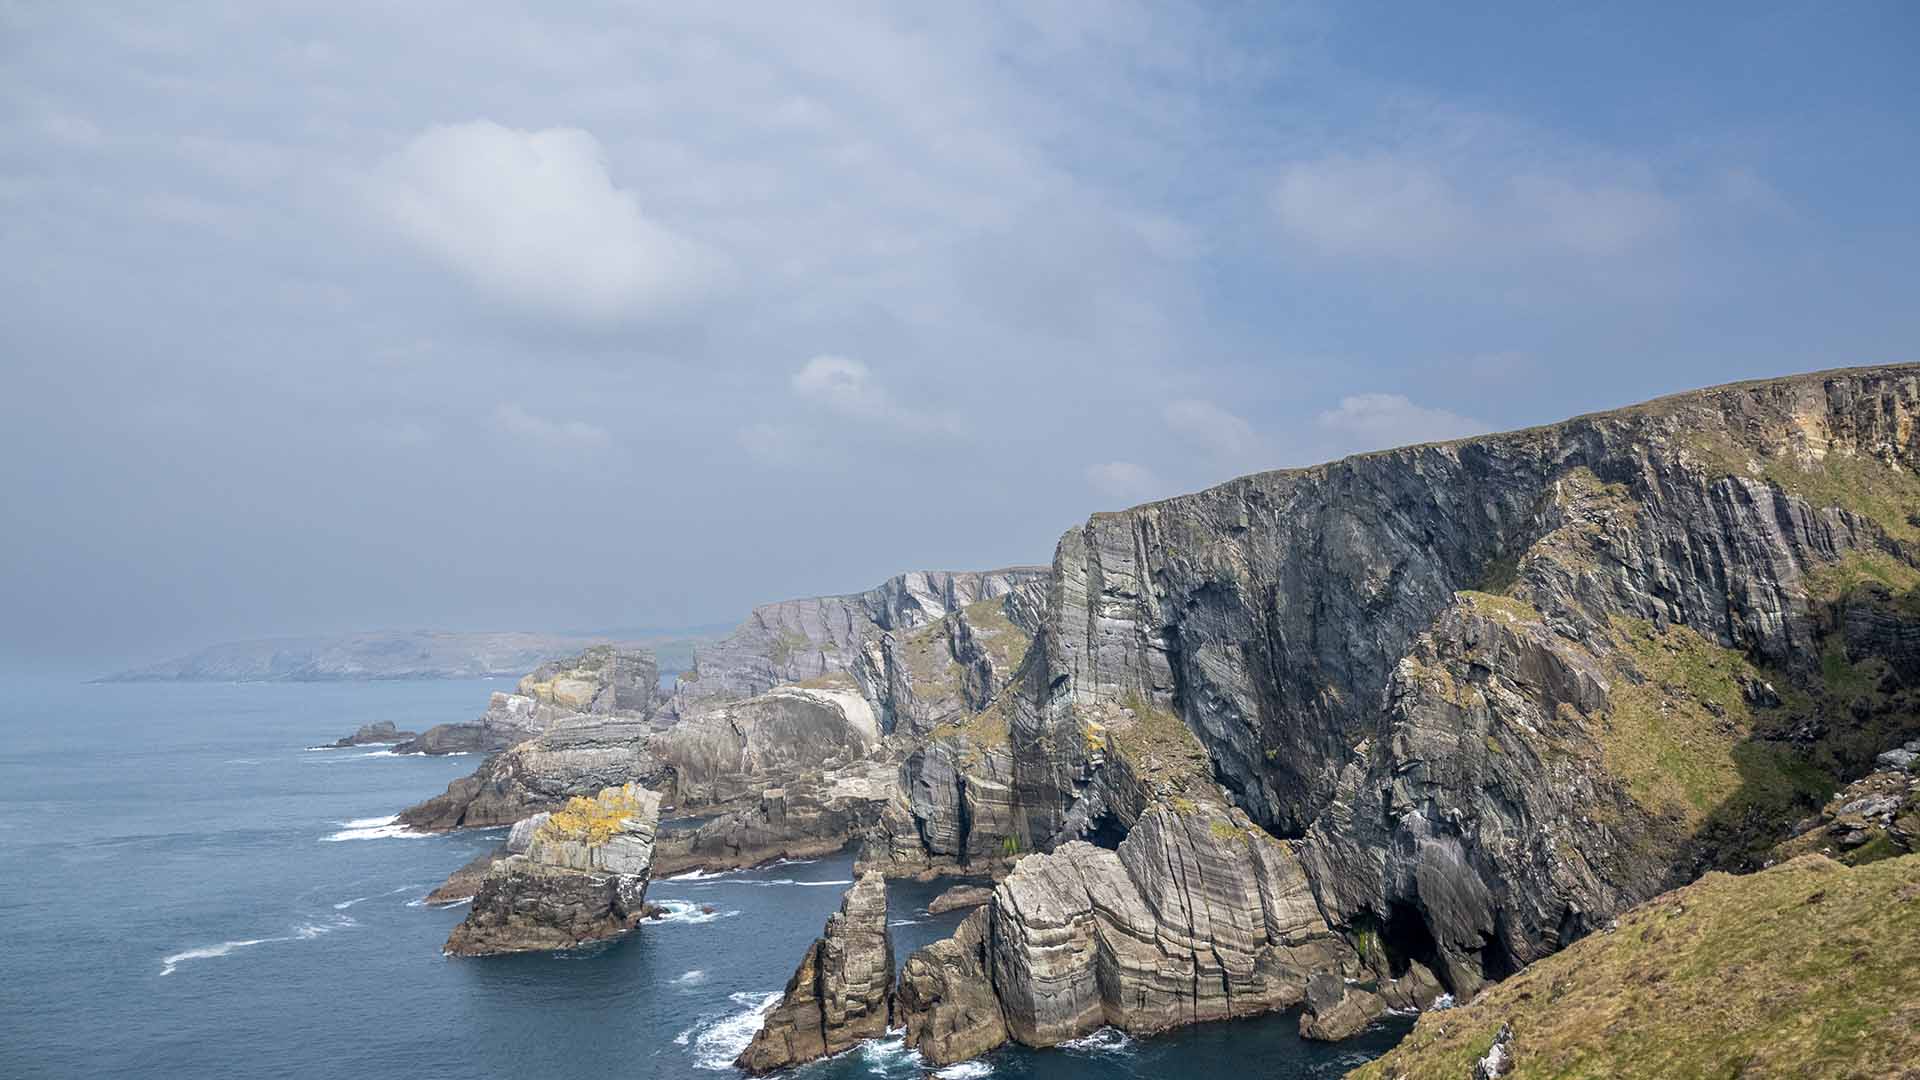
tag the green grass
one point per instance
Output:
(1803, 970)
(1682, 739)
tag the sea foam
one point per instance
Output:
(718, 1040)
(373, 828)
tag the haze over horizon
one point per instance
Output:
(487, 317)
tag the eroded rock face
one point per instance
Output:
(946, 1002)
(379, 733)
(576, 755)
(603, 681)
(797, 640)
(1452, 770)
(813, 814)
(1198, 916)
(841, 993)
(581, 877)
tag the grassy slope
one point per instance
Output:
(1803, 970)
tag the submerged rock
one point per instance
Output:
(842, 992)
(960, 896)
(1336, 1009)
(581, 877)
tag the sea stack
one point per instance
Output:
(842, 991)
(573, 876)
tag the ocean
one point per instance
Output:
(188, 891)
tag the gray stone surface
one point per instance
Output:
(842, 992)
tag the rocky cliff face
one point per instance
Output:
(797, 640)
(573, 876)
(1197, 916)
(842, 992)
(1506, 686)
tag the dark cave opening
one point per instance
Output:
(1105, 831)
(1405, 938)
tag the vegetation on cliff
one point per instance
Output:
(1798, 971)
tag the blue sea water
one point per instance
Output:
(187, 891)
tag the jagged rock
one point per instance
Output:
(1337, 1010)
(1198, 916)
(937, 675)
(1421, 660)
(733, 748)
(797, 640)
(945, 1001)
(842, 991)
(582, 877)
(960, 896)
(379, 733)
(577, 755)
(814, 814)
(602, 681)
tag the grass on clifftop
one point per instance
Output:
(1804, 970)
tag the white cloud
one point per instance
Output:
(574, 435)
(1374, 421)
(848, 388)
(1421, 207)
(1123, 480)
(534, 218)
(1214, 429)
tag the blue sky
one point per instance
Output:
(481, 316)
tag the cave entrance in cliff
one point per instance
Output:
(1105, 831)
(1406, 938)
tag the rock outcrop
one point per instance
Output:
(1197, 916)
(960, 896)
(574, 876)
(842, 992)
(576, 755)
(602, 681)
(1875, 817)
(378, 733)
(946, 1002)
(796, 640)
(809, 815)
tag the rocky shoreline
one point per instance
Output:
(1349, 738)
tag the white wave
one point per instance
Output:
(1444, 1001)
(718, 1040)
(848, 881)
(1104, 1041)
(700, 875)
(965, 1070)
(345, 904)
(906, 922)
(208, 952)
(378, 753)
(303, 932)
(889, 1056)
(793, 862)
(694, 976)
(373, 829)
(682, 911)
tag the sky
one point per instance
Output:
(478, 315)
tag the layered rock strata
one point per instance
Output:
(842, 992)
(602, 681)
(1197, 916)
(797, 640)
(1504, 687)
(574, 876)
